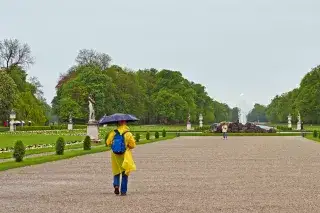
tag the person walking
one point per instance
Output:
(225, 130)
(121, 142)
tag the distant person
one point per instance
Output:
(121, 142)
(301, 125)
(225, 130)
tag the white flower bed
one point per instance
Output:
(39, 146)
(45, 132)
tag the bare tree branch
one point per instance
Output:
(86, 57)
(13, 53)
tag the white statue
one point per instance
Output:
(189, 122)
(200, 120)
(289, 121)
(299, 122)
(91, 109)
(70, 118)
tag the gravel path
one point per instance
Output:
(187, 174)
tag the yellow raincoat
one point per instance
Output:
(124, 162)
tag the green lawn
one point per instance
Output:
(8, 140)
(68, 154)
(308, 127)
(28, 139)
(310, 137)
(7, 155)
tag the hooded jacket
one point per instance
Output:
(124, 162)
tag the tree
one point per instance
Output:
(13, 53)
(154, 96)
(170, 107)
(92, 57)
(257, 114)
(234, 114)
(221, 111)
(36, 88)
(8, 95)
(304, 100)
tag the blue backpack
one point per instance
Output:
(118, 145)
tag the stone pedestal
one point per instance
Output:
(298, 126)
(200, 124)
(12, 126)
(93, 131)
(188, 126)
(70, 126)
(289, 121)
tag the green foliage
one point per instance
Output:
(87, 143)
(221, 112)
(8, 94)
(137, 137)
(315, 133)
(304, 99)
(156, 134)
(49, 158)
(283, 128)
(258, 113)
(235, 114)
(156, 97)
(240, 134)
(164, 133)
(203, 128)
(22, 96)
(19, 151)
(148, 135)
(60, 145)
(4, 129)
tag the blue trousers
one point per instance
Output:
(124, 182)
(225, 135)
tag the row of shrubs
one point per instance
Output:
(156, 135)
(284, 128)
(20, 149)
(4, 129)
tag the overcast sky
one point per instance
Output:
(258, 48)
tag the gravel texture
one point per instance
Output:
(186, 174)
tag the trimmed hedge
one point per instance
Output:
(164, 133)
(156, 135)
(19, 151)
(148, 135)
(315, 133)
(241, 134)
(87, 143)
(60, 145)
(4, 129)
(137, 137)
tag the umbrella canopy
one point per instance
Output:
(115, 118)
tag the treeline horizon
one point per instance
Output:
(155, 96)
(304, 99)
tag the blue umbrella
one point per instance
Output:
(115, 118)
